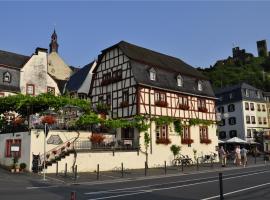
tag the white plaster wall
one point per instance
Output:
(52, 83)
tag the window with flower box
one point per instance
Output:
(160, 99)
(162, 135)
(116, 76)
(185, 138)
(183, 102)
(106, 79)
(204, 135)
(202, 105)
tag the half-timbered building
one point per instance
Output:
(132, 80)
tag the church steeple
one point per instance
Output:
(54, 45)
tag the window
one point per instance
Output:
(259, 120)
(251, 106)
(246, 92)
(231, 108)
(246, 106)
(162, 131)
(106, 76)
(125, 96)
(230, 95)
(264, 120)
(222, 134)
(203, 132)
(117, 75)
(263, 108)
(222, 122)
(258, 107)
(82, 96)
(232, 120)
(11, 142)
(221, 109)
(248, 119)
(186, 132)
(200, 86)
(253, 120)
(30, 89)
(51, 90)
(179, 81)
(248, 133)
(258, 94)
(233, 133)
(7, 77)
(152, 74)
(100, 99)
(108, 99)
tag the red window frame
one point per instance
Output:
(203, 132)
(162, 132)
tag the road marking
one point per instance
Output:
(237, 191)
(163, 176)
(41, 187)
(168, 183)
(173, 187)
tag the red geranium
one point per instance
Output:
(48, 119)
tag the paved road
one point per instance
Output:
(239, 184)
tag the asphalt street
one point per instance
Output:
(239, 184)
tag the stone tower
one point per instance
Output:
(54, 45)
(262, 48)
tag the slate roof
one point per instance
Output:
(76, 80)
(230, 88)
(167, 69)
(13, 59)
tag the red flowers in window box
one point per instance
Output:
(183, 107)
(187, 141)
(124, 104)
(161, 103)
(97, 138)
(205, 141)
(18, 121)
(48, 119)
(165, 141)
(202, 109)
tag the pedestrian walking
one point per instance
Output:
(237, 155)
(222, 156)
(244, 156)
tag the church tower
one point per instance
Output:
(54, 45)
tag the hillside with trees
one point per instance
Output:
(252, 70)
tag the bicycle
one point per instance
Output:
(182, 160)
(207, 158)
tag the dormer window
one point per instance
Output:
(179, 81)
(152, 74)
(7, 77)
(199, 85)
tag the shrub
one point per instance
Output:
(22, 165)
(175, 149)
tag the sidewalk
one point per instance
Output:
(158, 171)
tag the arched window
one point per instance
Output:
(179, 81)
(7, 77)
(200, 86)
(152, 74)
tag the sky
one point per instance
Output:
(198, 32)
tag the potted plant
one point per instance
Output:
(97, 138)
(22, 166)
(49, 119)
(186, 141)
(175, 149)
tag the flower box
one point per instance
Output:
(103, 108)
(187, 141)
(183, 107)
(202, 109)
(48, 119)
(97, 138)
(165, 141)
(105, 82)
(205, 141)
(124, 104)
(161, 103)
